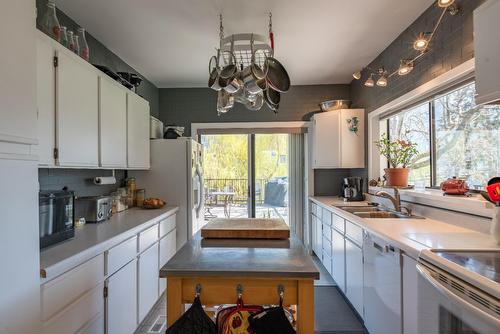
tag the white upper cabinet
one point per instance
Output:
(112, 124)
(77, 113)
(46, 103)
(486, 51)
(17, 68)
(137, 132)
(335, 142)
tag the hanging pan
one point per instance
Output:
(277, 77)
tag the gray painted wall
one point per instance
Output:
(80, 181)
(101, 55)
(453, 44)
(183, 106)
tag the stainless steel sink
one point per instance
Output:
(386, 214)
(368, 208)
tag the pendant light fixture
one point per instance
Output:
(405, 67)
(420, 44)
(369, 82)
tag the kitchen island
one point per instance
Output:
(259, 266)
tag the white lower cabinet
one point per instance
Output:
(78, 315)
(354, 275)
(338, 259)
(95, 326)
(121, 302)
(167, 250)
(148, 278)
(410, 295)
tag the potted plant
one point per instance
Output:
(399, 154)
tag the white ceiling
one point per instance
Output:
(318, 41)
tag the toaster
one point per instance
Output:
(94, 209)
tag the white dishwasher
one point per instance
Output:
(382, 286)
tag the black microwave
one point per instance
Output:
(56, 216)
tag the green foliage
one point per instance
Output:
(399, 153)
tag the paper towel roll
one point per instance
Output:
(102, 180)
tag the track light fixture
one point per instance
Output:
(369, 82)
(420, 44)
(445, 3)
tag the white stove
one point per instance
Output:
(459, 291)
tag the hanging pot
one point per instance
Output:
(225, 101)
(214, 71)
(257, 104)
(277, 77)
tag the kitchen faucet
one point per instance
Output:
(396, 200)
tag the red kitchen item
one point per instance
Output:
(494, 191)
(454, 186)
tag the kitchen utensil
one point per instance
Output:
(193, 321)
(257, 104)
(454, 186)
(231, 85)
(334, 105)
(225, 101)
(214, 70)
(494, 192)
(246, 228)
(277, 77)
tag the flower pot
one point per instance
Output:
(396, 177)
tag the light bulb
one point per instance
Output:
(405, 67)
(421, 43)
(369, 82)
(445, 3)
(382, 81)
(356, 75)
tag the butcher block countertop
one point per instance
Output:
(246, 228)
(250, 258)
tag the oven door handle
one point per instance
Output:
(462, 303)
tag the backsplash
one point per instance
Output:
(78, 180)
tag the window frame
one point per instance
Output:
(430, 101)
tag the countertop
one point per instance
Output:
(242, 258)
(403, 232)
(92, 239)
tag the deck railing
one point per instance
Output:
(239, 187)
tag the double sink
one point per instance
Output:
(373, 211)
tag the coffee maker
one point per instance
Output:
(352, 189)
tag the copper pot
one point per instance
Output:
(454, 186)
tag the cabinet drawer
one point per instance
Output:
(326, 217)
(167, 225)
(120, 255)
(77, 315)
(327, 246)
(167, 250)
(314, 207)
(148, 237)
(354, 232)
(338, 223)
(65, 289)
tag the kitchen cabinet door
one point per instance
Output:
(352, 143)
(354, 275)
(338, 259)
(137, 132)
(96, 326)
(318, 249)
(167, 250)
(486, 50)
(410, 295)
(112, 124)
(326, 140)
(148, 277)
(313, 232)
(46, 101)
(77, 112)
(121, 303)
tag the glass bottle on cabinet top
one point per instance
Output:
(71, 40)
(50, 23)
(84, 47)
(77, 44)
(64, 37)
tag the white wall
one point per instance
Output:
(19, 254)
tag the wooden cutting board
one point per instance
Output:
(246, 228)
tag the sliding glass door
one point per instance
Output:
(246, 175)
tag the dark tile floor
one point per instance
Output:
(333, 315)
